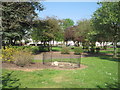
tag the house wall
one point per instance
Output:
(71, 43)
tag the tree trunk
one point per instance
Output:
(53, 42)
(11, 41)
(44, 43)
(66, 43)
(0, 41)
(78, 44)
(3, 44)
(115, 48)
(48, 46)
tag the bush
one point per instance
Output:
(65, 50)
(7, 54)
(71, 47)
(22, 58)
(97, 50)
(43, 49)
(34, 49)
(18, 47)
(78, 50)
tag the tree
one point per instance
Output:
(66, 23)
(84, 32)
(17, 19)
(46, 30)
(69, 34)
(79, 33)
(53, 25)
(106, 20)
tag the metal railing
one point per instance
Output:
(61, 60)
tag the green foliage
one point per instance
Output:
(97, 50)
(43, 49)
(17, 20)
(65, 50)
(34, 49)
(22, 58)
(10, 81)
(67, 23)
(46, 30)
(22, 48)
(84, 31)
(78, 50)
(7, 54)
(37, 49)
(106, 21)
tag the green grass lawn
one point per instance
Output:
(56, 48)
(109, 50)
(59, 49)
(100, 73)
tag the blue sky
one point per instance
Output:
(73, 10)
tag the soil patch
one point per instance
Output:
(35, 66)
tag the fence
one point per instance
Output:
(61, 60)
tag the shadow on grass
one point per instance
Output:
(107, 51)
(109, 86)
(110, 58)
(55, 50)
(103, 56)
(10, 82)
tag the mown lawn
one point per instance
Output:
(59, 49)
(108, 50)
(56, 48)
(100, 73)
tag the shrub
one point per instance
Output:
(78, 50)
(65, 50)
(22, 58)
(72, 47)
(7, 54)
(97, 50)
(18, 47)
(27, 50)
(43, 49)
(34, 49)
